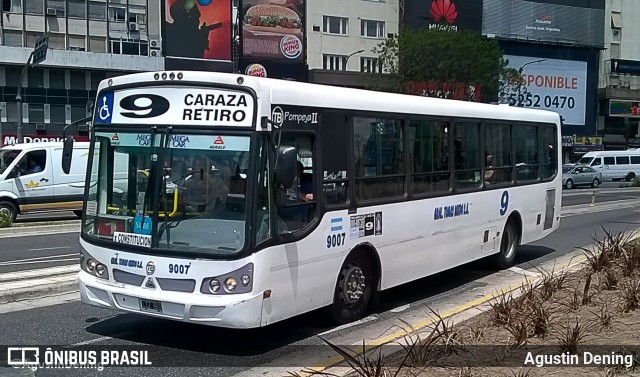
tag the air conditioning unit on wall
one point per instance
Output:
(133, 26)
(52, 12)
(154, 43)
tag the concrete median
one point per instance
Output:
(25, 285)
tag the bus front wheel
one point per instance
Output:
(508, 246)
(353, 290)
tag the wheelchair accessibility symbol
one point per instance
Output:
(105, 108)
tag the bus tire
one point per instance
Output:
(630, 177)
(508, 246)
(9, 209)
(353, 289)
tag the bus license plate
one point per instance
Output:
(151, 306)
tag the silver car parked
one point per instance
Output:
(574, 176)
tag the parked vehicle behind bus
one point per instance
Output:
(614, 165)
(31, 178)
(251, 200)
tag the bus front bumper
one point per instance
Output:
(222, 311)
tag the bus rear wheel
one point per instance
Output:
(353, 290)
(508, 246)
(630, 177)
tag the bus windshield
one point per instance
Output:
(6, 158)
(585, 160)
(175, 192)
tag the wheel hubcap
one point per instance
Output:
(5, 211)
(352, 284)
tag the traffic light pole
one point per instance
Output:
(19, 98)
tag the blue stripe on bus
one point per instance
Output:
(336, 220)
(336, 228)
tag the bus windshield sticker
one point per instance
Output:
(143, 240)
(453, 210)
(122, 139)
(206, 142)
(369, 224)
(182, 106)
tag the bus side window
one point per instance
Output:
(466, 155)
(596, 162)
(609, 160)
(333, 158)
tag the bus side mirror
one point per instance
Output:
(67, 153)
(286, 166)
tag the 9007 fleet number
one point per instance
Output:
(179, 268)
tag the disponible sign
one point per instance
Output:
(192, 106)
(555, 85)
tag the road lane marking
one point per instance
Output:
(4, 264)
(52, 248)
(98, 340)
(519, 270)
(363, 320)
(400, 308)
(38, 258)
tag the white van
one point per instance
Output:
(614, 165)
(31, 178)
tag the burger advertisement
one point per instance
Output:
(273, 29)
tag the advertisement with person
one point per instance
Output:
(552, 84)
(273, 29)
(198, 29)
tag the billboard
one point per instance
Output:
(273, 30)
(456, 14)
(197, 29)
(625, 66)
(11, 139)
(624, 108)
(559, 21)
(554, 85)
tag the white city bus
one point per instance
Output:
(247, 200)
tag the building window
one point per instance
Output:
(97, 44)
(12, 38)
(56, 41)
(57, 114)
(34, 7)
(77, 80)
(36, 113)
(11, 109)
(334, 62)
(78, 112)
(77, 43)
(58, 5)
(35, 78)
(336, 25)
(370, 65)
(12, 6)
(372, 29)
(77, 8)
(56, 79)
(117, 14)
(97, 11)
(137, 14)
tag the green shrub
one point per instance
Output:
(5, 220)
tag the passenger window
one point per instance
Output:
(378, 154)
(466, 155)
(497, 154)
(635, 159)
(622, 160)
(334, 159)
(549, 152)
(33, 162)
(596, 161)
(526, 153)
(609, 161)
(297, 204)
(429, 156)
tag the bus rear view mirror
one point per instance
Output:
(67, 153)
(286, 164)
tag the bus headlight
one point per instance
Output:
(230, 284)
(245, 279)
(214, 286)
(101, 269)
(91, 264)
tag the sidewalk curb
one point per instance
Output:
(20, 294)
(35, 230)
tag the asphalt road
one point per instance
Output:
(46, 216)
(28, 253)
(233, 351)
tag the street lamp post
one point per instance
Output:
(520, 70)
(38, 55)
(344, 69)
